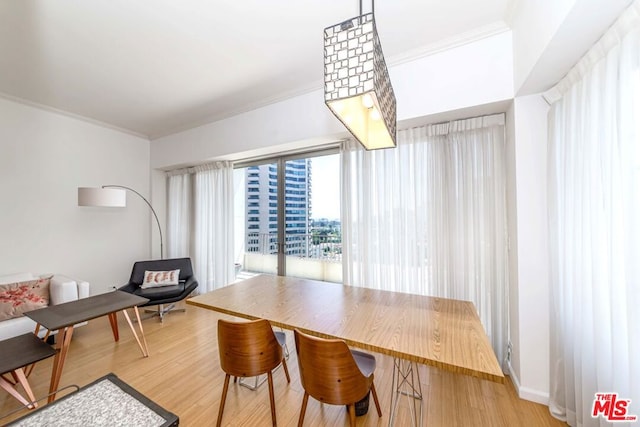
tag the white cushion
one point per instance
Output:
(83, 288)
(15, 278)
(62, 289)
(154, 279)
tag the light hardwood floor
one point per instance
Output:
(183, 375)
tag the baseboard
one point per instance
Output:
(527, 393)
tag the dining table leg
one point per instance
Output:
(406, 381)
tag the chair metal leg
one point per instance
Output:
(161, 311)
(225, 388)
(258, 381)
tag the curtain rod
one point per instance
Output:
(446, 122)
(248, 161)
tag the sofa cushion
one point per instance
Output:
(18, 298)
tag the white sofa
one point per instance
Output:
(61, 289)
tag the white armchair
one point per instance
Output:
(61, 289)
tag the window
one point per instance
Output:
(304, 201)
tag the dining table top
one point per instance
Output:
(441, 332)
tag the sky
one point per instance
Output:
(325, 187)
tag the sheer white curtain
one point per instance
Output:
(594, 199)
(179, 213)
(203, 223)
(429, 217)
(213, 225)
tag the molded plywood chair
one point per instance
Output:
(249, 349)
(332, 373)
(257, 381)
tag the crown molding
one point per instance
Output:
(283, 96)
(458, 40)
(75, 116)
(412, 55)
(474, 35)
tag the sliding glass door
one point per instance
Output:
(288, 218)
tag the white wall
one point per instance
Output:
(44, 158)
(549, 37)
(512, 226)
(534, 24)
(473, 74)
(529, 301)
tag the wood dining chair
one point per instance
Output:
(257, 381)
(249, 349)
(332, 373)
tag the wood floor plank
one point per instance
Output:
(183, 375)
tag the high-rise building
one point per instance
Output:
(262, 207)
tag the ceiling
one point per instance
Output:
(155, 67)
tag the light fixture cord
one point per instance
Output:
(373, 7)
(150, 207)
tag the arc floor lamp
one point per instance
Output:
(114, 196)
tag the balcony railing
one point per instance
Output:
(321, 247)
(311, 256)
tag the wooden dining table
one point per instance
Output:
(417, 329)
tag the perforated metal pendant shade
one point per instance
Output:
(357, 87)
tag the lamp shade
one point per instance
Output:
(357, 86)
(102, 197)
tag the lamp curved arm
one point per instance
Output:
(150, 207)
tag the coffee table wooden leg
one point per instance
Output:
(62, 348)
(20, 378)
(29, 368)
(144, 338)
(113, 319)
(143, 344)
